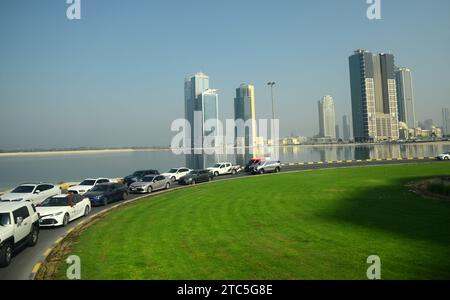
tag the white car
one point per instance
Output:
(444, 156)
(62, 209)
(86, 185)
(176, 173)
(33, 192)
(224, 168)
(19, 226)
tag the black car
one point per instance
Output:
(138, 175)
(105, 193)
(196, 176)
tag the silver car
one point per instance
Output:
(268, 166)
(150, 184)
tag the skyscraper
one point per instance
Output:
(338, 132)
(201, 110)
(405, 98)
(346, 128)
(374, 97)
(244, 112)
(446, 121)
(327, 118)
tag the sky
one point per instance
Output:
(115, 78)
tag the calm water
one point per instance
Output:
(56, 168)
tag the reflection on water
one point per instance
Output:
(56, 168)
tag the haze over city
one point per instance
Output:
(115, 77)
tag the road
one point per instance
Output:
(26, 259)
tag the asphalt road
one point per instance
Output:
(26, 259)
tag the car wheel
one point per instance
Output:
(125, 196)
(233, 172)
(173, 179)
(66, 220)
(87, 210)
(216, 174)
(34, 236)
(150, 189)
(277, 170)
(446, 158)
(261, 171)
(167, 186)
(6, 255)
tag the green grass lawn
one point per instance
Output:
(319, 224)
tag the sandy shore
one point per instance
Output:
(76, 152)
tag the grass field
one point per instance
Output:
(319, 224)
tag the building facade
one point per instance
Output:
(327, 118)
(374, 97)
(245, 116)
(346, 128)
(446, 121)
(405, 97)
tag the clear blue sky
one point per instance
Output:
(115, 78)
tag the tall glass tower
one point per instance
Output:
(406, 113)
(327, 118)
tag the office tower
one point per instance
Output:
(201, 108)
(327, 118)
(244, 115)
(374, 97)
(446, 121)
(338, 135)
(405, 98)
(346, 128)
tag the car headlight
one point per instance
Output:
(56, 214)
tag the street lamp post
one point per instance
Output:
(272, 84)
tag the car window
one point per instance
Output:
(25, 189)
(78, 198)
(102, 181)
(159, 178)
(40, 188)
(21, 212)
(184, 170)
(5, 219)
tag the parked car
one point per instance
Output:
(150, 184)
(252, 162)
(196, 176)
(138, 175)
(61, 209)
(105, 193)
(19, 226)
(444, 156)
(86, 185)
(268, 166)
(224, 169)
(176, 173)
(33, 192)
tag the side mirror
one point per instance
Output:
(19, 221)
(37, 192)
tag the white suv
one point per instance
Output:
(33, 192)
(176, 173)
(19, 225)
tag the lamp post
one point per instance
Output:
(271, 84)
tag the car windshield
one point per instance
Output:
(172, 171)
(4, 219)
(217, 165)
(100, 188)
(138, 173)
(148, 178)
(55, 201)
(88, 182)
(23, 189)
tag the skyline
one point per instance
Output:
(103, 71)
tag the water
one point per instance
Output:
(75, 167)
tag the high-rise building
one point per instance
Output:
(374, 96)
(445, 121)
(405, 97)
(245, 117)
(201, 111)
(346, 128)
(327, 118)
(338, 132)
